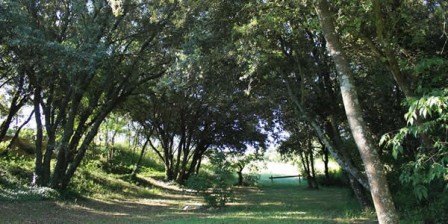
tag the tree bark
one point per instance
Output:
(379, 188)
(240, 176)
(404, 82)
(359, 192)
(139, 161)
(18, 101)
(16, 135)
(344, 162)
(37, 177)
(326, 161)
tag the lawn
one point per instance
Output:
(286, 201)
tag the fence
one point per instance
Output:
(272, 177)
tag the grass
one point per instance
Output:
(286, 202)
(97, 196)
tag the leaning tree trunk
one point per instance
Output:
(139, 161)
(379, 188)
(344, 162)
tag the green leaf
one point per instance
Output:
(421, 192)
(396, 150)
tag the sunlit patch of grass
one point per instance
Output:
(287, 203)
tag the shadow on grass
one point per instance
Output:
(288, 203)
(90, 211)
(153, 201)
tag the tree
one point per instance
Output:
(187, 112)
(381, 196)
(15, 89)
(112, 126)
(242, 161)
(185, 117)
(283, 51)
(81, 63)
(300, 143)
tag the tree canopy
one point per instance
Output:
(364, 83)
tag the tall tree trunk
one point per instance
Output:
(379, 188)
(37, 177)
(313, 171)
(326, 160)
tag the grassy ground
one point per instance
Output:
(277, 202)
(103, 197)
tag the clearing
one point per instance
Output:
(278, 202)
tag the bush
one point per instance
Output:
(216, 186)
(15, 171)
(429, 210)
(336, 178)
(251, 179)
(29, 193)
(124, 159)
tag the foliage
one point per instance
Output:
(184, 114)
(335, 178)
(15, 175)
(3, 146)
(249, 162)
(29, 194)
(82, 62)
(427, 118)
(15, 171)
(215, 187)
(210, 74)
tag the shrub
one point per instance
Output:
(216, 186)
(336, 178)
(29, 193)
(251, 179)
(432, 209)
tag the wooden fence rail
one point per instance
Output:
(272, 177)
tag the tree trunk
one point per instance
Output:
(379, 188)
(18, 101)
(344, 162)
(326, 160)
(16, 135)
(198, 167)
(359, 192)
(37, 177)
(137, 164)
(240, 176)
(76, 160)
(313, 171)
